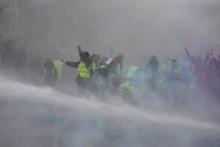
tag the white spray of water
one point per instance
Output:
(48, 95)
(40, 116)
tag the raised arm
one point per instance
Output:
(80, 52)
(72, 64)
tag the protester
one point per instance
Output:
(49, 73)
(84, 70)
(189, 76)
(59, 66)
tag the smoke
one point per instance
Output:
(146, 27)
(33, 116)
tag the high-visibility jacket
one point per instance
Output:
(131, 71)
(59, 66)
(119, 69)
(103, 66)
(83, 71)
(94, 67)
(127, 86)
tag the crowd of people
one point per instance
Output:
(15, 59)
(175, 80)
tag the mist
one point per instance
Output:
(34, 114)
(146, 27)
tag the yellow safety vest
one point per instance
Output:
(59, 66)
(94, 66)
(83, 71)
(127, 86)
(103, 66)
(132, 70)
(119, 70)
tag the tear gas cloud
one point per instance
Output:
(41, 116)
(135, 28)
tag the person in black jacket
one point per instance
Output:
(84, 69)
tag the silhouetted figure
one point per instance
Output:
(49, 73)
(154, 70)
